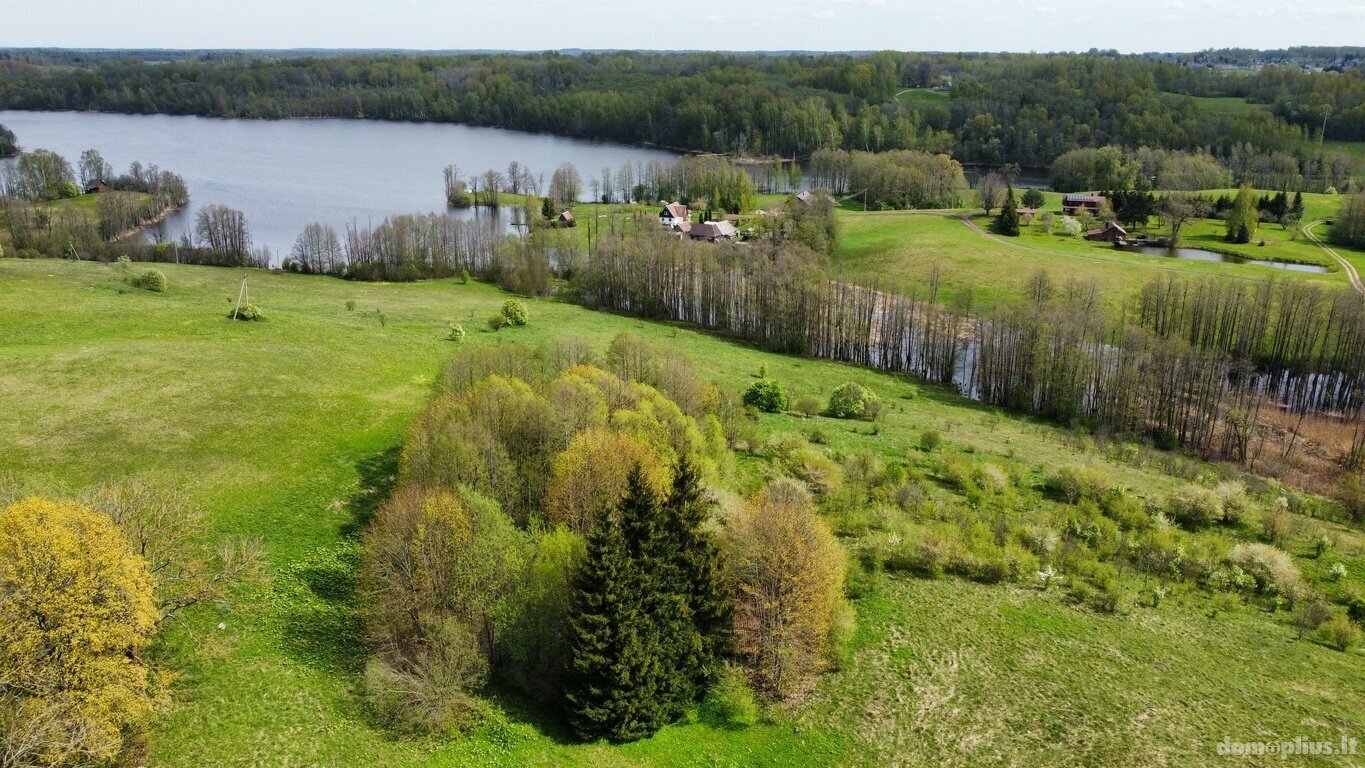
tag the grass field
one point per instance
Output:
(921, 96)
(285, 429)
(903, 247)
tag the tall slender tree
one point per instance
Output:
(1007, 223)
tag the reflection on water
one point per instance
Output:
(1198, 254)
(285, 174)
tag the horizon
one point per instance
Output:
(763, 26)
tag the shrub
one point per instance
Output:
(766, 395)
(1355, 608)
(1336, 573)
(1273, 570)
(852, 401)
(1195, 507)
(496, 322)
(455, 333)
(464, 277)
(1340, 633)
(431, 693)
(247, 312)
(730, 703)
(350, 305)
(515, 312)
(1073, 482)
(151, 280)
(806, 405)
(930, 440)
(1311, 615)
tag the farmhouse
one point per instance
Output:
(1110, 232)
(713, 231)
(673, 214)
(96, 186)
(1074, 204)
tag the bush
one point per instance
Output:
(730, 703)
(1310, 616)
(807, 405)
(766, 395)
(930, 440)
(852, 401)
(1273, 571)
(1073, 483)
(496, 322)
(455, 333)
(1340, 633)
(515, 312)
(247, 312)
(151, 280)
(1195, 507)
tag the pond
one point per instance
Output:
(1199, 254)
(285, 174)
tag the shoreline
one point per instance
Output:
(157, 219)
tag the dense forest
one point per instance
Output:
(1000, 108)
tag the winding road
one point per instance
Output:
(1351, 272)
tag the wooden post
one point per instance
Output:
(241, 293)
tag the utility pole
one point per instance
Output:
(1323, 134)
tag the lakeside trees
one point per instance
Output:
(1021, 108)
(9, 144)
(1349, 226)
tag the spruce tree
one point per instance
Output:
(612, 687)
(1007, 222)
(1297, 207)
(697, 571)
(547, 211)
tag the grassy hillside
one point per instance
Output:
(288, 430)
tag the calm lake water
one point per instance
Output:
(1199, 254)
(285, 174)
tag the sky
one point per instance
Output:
(914, 25)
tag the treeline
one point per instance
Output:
(1302, 170)
(553, 532)
(1188, 356)
(1021, 108)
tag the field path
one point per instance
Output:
(1351, 272)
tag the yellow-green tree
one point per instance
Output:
(788, 575)
(76, 609)
(1242, 217)
(591, 475)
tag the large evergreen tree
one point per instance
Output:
(1007, 223)
(612, 684)
(694, 570)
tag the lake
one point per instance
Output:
(285, 174)
(1199, 254)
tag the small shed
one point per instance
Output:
(1109, 233)
(565, 219)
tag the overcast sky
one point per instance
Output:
(938, 25)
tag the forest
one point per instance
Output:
(1001, 108)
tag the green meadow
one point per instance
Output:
(288, 430)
